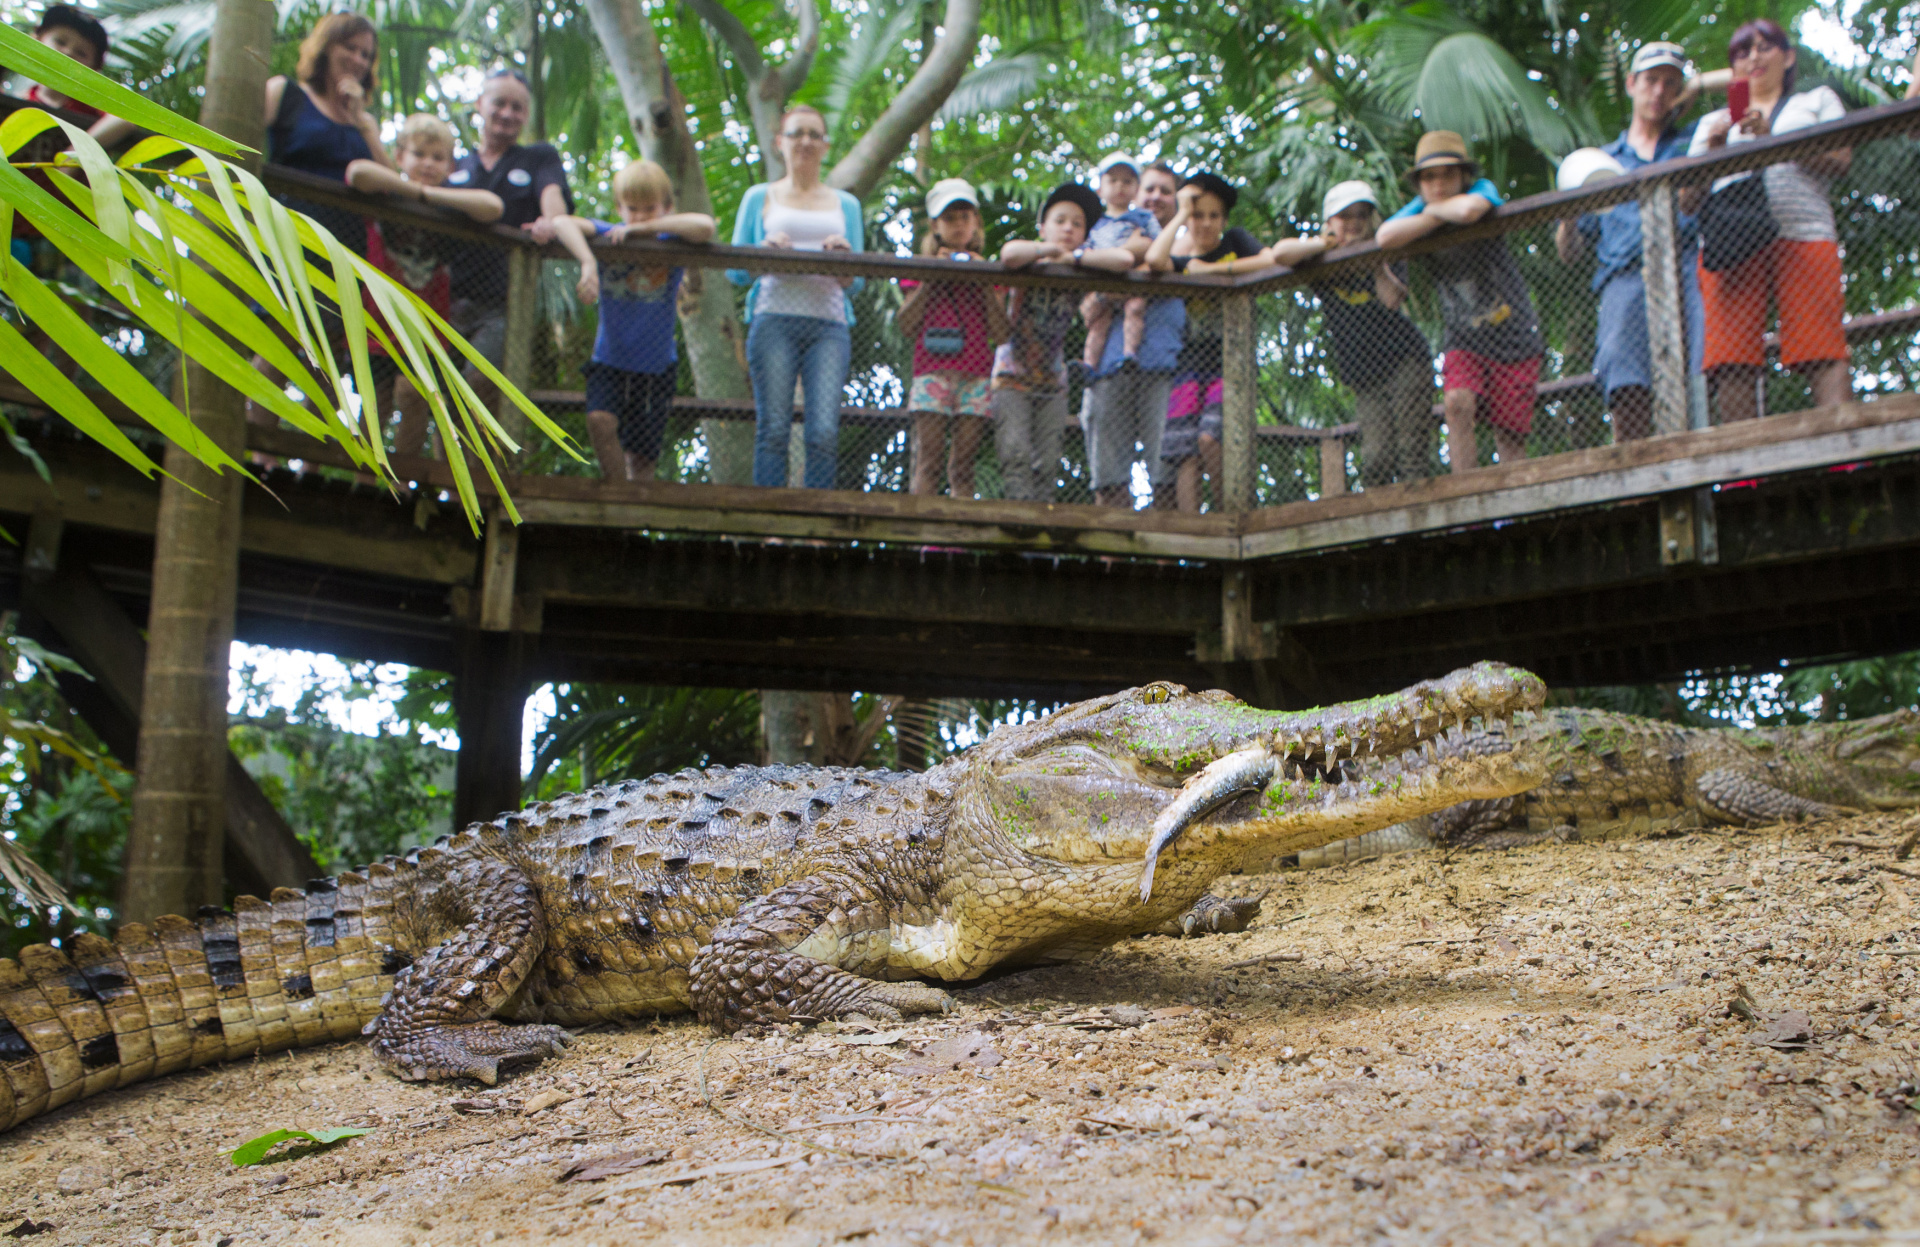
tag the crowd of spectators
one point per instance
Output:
(989, 361)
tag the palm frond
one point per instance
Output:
(1456, 77)
(875, 41)
(124, 226)
(1001, 85)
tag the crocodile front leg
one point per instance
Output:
(436, 1023)
(778, 960)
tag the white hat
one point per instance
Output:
(1117, 158)
(1654, 55)
(1585, 166)
(1343, 196)
(948, 192)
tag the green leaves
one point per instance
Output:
(1428, 58)
(199, 254)
(22, 52)
(253, 1151)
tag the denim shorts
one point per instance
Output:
(640, 401)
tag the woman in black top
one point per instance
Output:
(1198, 240)
(321, 123)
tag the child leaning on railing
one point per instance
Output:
(954, 327)
(630, 379)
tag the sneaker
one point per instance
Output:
(1129, 366)
(1078, 373)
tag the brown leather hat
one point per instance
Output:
(1437, 150)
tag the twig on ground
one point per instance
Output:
(1905, 850)
(1895, 870)
(1264, 958)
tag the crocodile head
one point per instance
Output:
(1211, 782)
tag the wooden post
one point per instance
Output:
(1333, 466)
(178, 827)
(1241, 401)
(523, 318)
(1666, 311)
(490, 702)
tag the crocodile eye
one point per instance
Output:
(1155, 694)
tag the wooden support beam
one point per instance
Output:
(1665, 310)
(260, 850)
(1654, 466)
(499, 568)
(1240, 402)
(490, 691)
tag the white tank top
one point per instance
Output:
(793, 294)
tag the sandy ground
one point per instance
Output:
(1526, 1046)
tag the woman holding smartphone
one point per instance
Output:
(1800, 267)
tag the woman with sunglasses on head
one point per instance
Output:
(798, 325)
(1742, 269)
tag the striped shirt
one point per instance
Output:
(1801, 202)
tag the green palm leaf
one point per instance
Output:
(257, 271)
(1458, 78)
(1001, 85)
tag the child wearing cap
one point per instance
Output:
(1198, 240)
(1120, 225)
(1493, 344)
(1377, 351)
(1029, 388)
(954, 327)
(630, 379)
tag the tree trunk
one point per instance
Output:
(179, 811)
(861, 170)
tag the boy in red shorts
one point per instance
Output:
(1493, 344)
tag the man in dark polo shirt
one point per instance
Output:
(531, 183)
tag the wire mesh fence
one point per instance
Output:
(1784, 275)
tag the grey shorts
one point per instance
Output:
(1182, 437)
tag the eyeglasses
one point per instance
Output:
(812, 136)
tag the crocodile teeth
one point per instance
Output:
(1222, 780)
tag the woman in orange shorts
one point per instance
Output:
(1799, 269)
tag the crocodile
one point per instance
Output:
(1611, 773)
(754, 896)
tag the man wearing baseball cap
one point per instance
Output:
(1622, 357)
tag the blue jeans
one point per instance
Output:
(818, 352)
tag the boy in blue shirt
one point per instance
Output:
(1493, 344)
(630, 380)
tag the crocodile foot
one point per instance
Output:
(471, 1050)
(1220, 915)
(883, 1002)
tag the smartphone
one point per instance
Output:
(1739, 98)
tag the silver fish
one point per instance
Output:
(1224, 779)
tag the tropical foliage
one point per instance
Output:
(194, 250)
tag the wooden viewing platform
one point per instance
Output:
(1616, 564)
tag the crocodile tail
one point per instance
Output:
(304, 967)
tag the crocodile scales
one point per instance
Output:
(755, 895)
(1608, 772)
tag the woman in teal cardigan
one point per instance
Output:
(798, 325)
